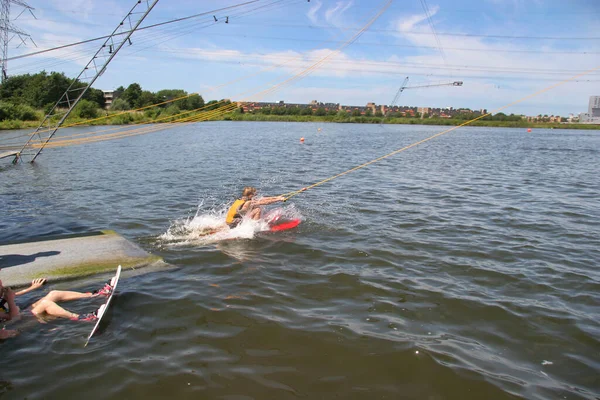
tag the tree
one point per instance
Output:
(356, 113)
(147, 98)
(86, 109)
(35, 90)
(211, 105)
(132, 94)
(43, 89)
(118, 92)
(378, 114)
(12, 88)
(500, 117)
(185, 102)
(277, 110)
(194, 102)
(320, 112)
(95, 95)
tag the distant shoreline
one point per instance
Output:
(141, 119)
(406, 121)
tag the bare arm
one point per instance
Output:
(267, 200)
(13, 310)
(35, 284)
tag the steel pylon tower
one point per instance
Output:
(7, 28)
(39, 138)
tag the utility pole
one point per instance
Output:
(7, 28)
(88, 75)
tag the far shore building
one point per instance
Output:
(370, 108)
(593, 114)
(108, 98)
(545, 118)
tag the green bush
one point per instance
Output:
(120, 105)
(86, 109)
(9, 111)
(122, 119)
(152, 113)
(172, 110)
(25, 113)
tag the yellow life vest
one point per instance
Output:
(234, 211)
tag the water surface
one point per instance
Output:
(464, 268)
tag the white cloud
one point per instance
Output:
(333, 15)
(412, 22)
(312, 12)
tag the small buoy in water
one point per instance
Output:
(528, 129)
(302, 140)
(319, 129)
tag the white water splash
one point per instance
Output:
(209, 227)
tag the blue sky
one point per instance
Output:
(502, 50)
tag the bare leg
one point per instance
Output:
(64, 295)
(51, 308)
(255, 214)
(60, 295)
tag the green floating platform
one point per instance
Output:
(65, 257)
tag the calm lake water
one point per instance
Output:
(464, 268)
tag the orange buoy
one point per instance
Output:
(528, 129)
(302, 139)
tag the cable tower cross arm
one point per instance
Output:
(88, 75)
(455, 83)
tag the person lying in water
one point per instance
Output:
(47, 305)
(248, 207)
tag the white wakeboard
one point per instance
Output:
(104, 307)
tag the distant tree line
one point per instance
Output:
(30, 96)
(22, 95)
(135, 97)
(293, 111)
(321, 112)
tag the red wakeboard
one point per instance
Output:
(278, 226)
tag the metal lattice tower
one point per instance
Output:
(7, 28)
(93, 69)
